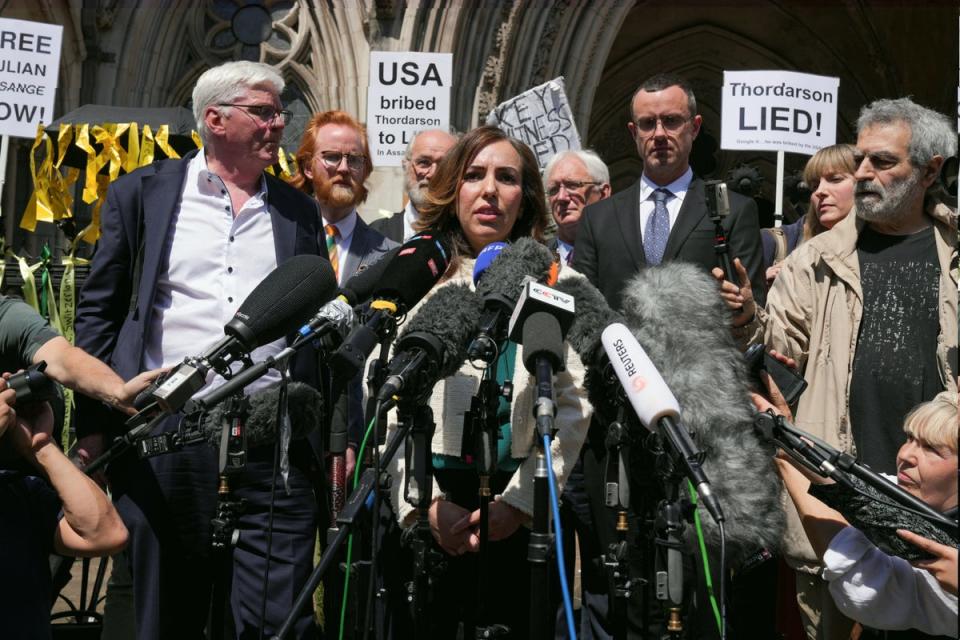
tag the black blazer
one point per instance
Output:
(610, 241)
(390, 227)
(144, 202)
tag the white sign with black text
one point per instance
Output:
(29, 66)
(409, 92)
(540, 117)
(778, 111)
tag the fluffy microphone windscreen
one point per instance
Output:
(283, 301)
(676, 313)
(304, 404)
(592, 315)
(450, 315)
(504, 277)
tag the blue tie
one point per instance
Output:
(658, 228)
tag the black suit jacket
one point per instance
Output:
(144, 202)
(610, 240)
(390, 227)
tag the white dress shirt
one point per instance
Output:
(564, 250)
(885, 592)
(215, 260)
(678, 188)
(342, 240)
(410, 216)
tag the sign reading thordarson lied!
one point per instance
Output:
(408, 93)
(29, 66)
(778, 111)
(541, 118)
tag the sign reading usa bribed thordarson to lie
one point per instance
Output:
(778, 111)
(29, 66)
(409, 92)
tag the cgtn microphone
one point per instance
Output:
(654, 404)
(275, 308)
(433, 344)
(416, 266)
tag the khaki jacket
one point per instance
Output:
(451, 398)
(813, 314)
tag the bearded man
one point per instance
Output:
(419, 164)
(869, 310)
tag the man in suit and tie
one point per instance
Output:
(573, 179)
(334, 162)
(663, 215)
(183, 243)
(419, 164)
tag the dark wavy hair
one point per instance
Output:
(439, 212)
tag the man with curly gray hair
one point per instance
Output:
(869, 310)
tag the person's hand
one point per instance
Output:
(739, 299)
(33, 430)
(502, 521)
(132, 387)
(447, 525)
(943, 566)
(772, 272)
(350, 457)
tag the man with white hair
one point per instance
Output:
(419, 164)
(183, 243)
(868, 310)
(573, 179)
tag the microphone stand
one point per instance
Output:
(618, 499)
(483, 430)
(541, 539)
(668, 538)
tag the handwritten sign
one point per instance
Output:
(409, 92)
(29, 66)
(778, 111)
(541, 118)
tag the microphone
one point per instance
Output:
(274, 309)
(499, 276)
(433, 345)
(304, 406)
(675, 312)
(592, 315)
(654, 404)
(403, 280)
(543, 356)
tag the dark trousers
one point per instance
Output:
(167, 503)
(579, 531)
(455, 594)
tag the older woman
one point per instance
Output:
(488, 189)
(829, 174)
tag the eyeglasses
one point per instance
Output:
(672, 122)
(572, 186)
(332, 159)
(266, 113)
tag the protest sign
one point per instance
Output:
(778, 111)
(541, 118)
(29, 66)
(408, 93)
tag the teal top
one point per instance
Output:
(505, 366)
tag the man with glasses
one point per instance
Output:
(419, 164)
(574, 179)
(183, 243)
(663, 216)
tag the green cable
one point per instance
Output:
(346, 577)
(703, 553)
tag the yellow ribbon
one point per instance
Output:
(68, 314)
(133, 149)
(38, 207)
(90, 185)
(64, 138)
(163, 133)
(29, 284)
(196, 139)
(146, 146)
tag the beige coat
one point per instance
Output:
(813, 314)
(451, 398)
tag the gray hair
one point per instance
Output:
(662, 81)
(408, 152)
(596, 168)
(931, 133)
(224, 83)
